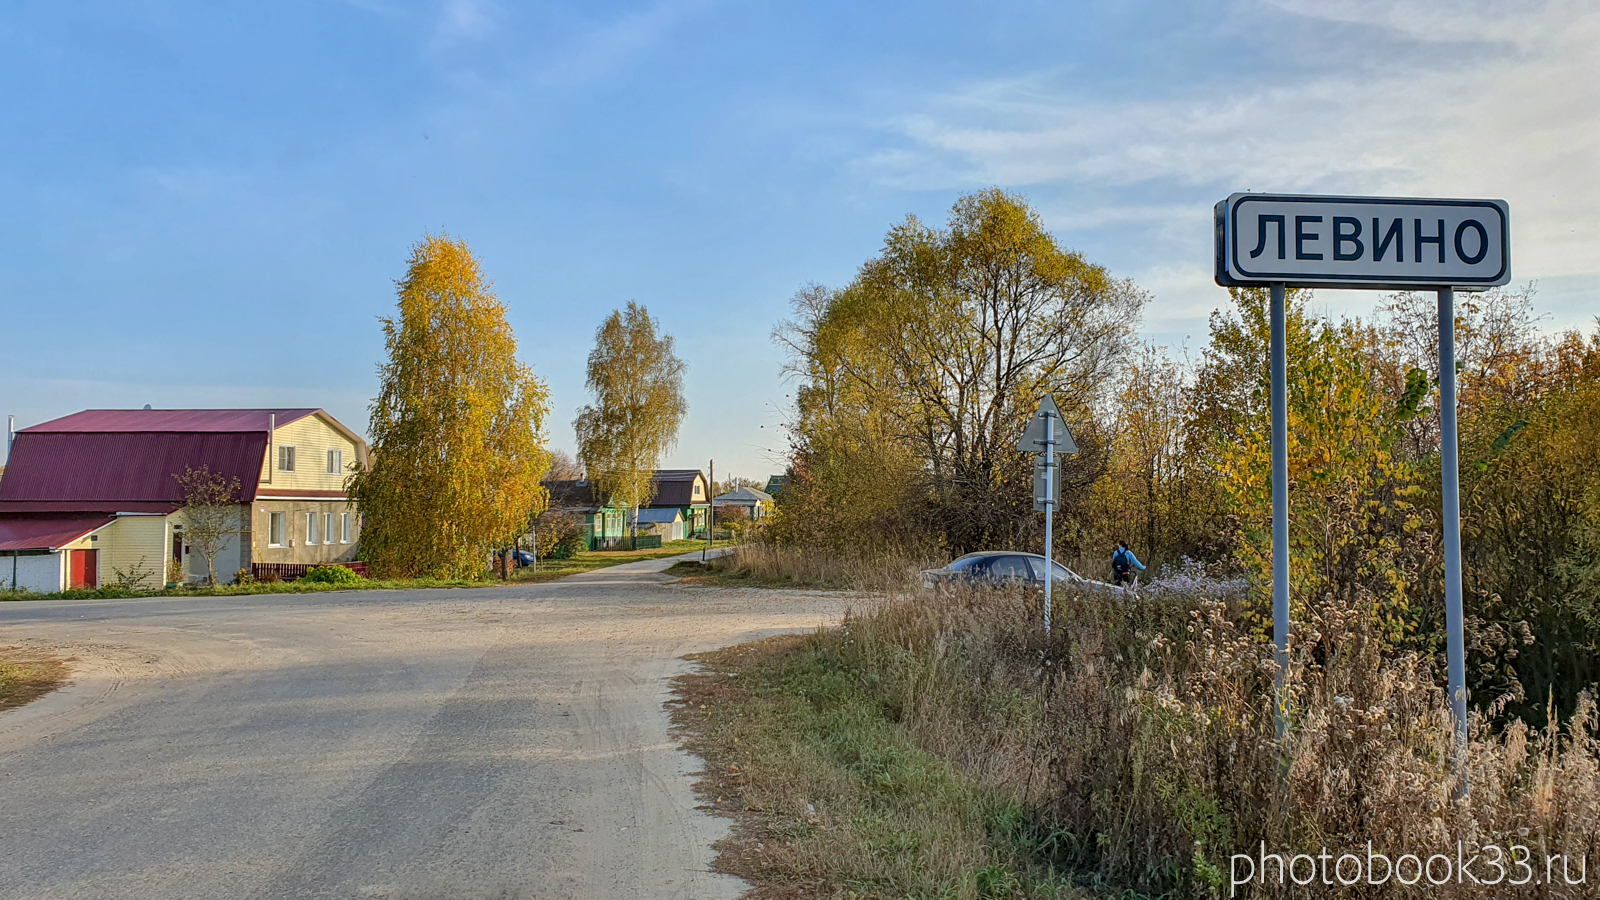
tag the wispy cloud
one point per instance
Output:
(464, 20)
(1513, 113)
(610, 46)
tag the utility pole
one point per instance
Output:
(711, 511)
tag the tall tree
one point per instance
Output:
(638, 389)
(457, 427)
(944, 344)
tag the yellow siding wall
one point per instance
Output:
(124, 543)
(134, 542)
(312, 438)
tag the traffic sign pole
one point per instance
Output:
(1449, 462)
(1049, 511)
(1280, 506)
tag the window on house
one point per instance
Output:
(344, 528)
(311, 528)
(285, 459)
(335, 462)
(327, 528)
(276, 525)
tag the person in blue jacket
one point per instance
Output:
(1123, 562)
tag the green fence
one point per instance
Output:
(647, 542)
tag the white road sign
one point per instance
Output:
(1362, 242)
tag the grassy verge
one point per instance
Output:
(549, 570)
(718, 574)
(27, 676)
(552, 569)
(832, 797)
(939, 744)
(759, 564)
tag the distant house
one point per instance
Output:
(677, 511)
(776, 484)
(95, 493)
(756, 504)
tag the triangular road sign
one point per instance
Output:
(1033, 436)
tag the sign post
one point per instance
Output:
(1366, 243)
(1043, 438)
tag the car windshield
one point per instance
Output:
(963, 563)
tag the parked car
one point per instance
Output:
(1003, 568)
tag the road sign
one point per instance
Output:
(1389, 243)
(1033, 436)
(1376, 243)
(1041, 479)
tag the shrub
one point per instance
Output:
(331, 575)
(243, 576)
(561, 535)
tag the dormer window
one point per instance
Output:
(335, 462)
(286, 458)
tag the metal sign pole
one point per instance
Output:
(1049, 512)
(1449, 462)
(1280, 507)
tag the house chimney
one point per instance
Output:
(272, 431)
(11, 435)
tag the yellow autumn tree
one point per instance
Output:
(457, 427)
(637, 382)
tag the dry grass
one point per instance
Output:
(1132, 751)
(26, 676)
(763, 564)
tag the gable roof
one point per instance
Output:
(573, 494)
(675, 487)
(744, 495)
(138, 421)
(120, 460)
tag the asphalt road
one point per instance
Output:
(482, 743)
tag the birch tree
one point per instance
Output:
(457, 427)
(638, 406)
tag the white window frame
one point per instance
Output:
(277, 527)
(335, 462)
(285, 455)
(311, 528)
(327, 528)
(344, 528)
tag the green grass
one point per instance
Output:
(831, 796)
(549, 570)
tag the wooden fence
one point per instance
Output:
(296, 571)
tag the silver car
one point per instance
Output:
(1004, 568)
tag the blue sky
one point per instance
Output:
(207, 204)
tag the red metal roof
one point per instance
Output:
(45, 532)
(106, 471)
(185, 420)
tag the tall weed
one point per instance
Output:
(1139, 739)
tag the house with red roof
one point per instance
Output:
(93, 498)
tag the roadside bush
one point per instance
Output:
(331, 575)
(561, 534)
